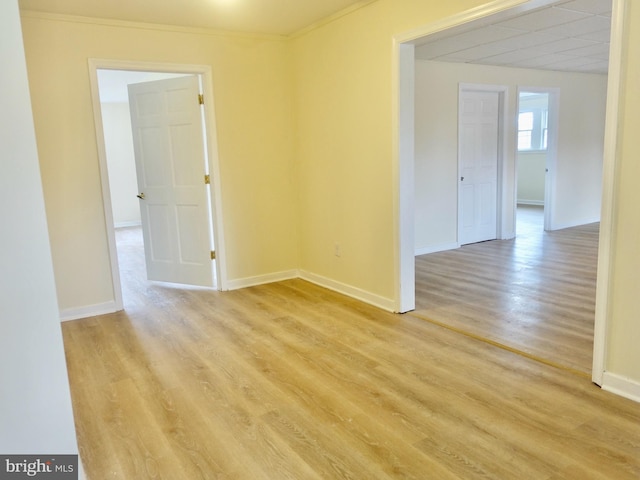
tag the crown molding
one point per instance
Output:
(331, 18)
(106, 22)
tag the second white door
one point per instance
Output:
(171, 167)
(478, 166)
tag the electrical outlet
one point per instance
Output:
(336, 250)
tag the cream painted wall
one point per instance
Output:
(580, 144)
(121, 163)
(35, 402)
(624, 326)
(342, 76)
(252, 85)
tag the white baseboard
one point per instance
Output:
(87, 311)
(437, 248)
(623, 386)
(261, 279)
(574, 224)
(127, 224)
(353, 292)
(539, 203)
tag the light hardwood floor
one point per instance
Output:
(291, 381)
(535, 293)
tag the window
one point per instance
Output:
(533, 121)
(525, 130)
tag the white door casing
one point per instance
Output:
(170, 158)
(478, 151)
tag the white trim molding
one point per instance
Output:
(403, 177)
(127, 224)
(387, 304)
(261, 279)
(77, 313)
(585, 221)
(536, 203)
(477, 13)
(107, 22)
(609, 174)
(620, 385)
(441, 247)
(236, 284)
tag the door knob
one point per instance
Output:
(140, 196)
(462, 179)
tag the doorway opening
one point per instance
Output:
(130, 186)
(406, 61)
(536, 153)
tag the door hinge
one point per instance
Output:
(207, 179)
(213, 254)
(201, 99)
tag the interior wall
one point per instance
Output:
(253, 107)
(35, 403)
(121, 163)
(580, 144)
(343, 75)
(623, 354)
(531, 177)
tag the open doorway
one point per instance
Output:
(408, 134)
(531, 160)
(536, 153)
(123, 171)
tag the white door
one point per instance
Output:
(171, 166)
(478, 166)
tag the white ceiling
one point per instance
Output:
(569, 35)
(279, 17)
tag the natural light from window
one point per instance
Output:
(533, 119)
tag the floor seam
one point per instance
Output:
(502, 346)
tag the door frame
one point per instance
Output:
(553, 109)
(403, 98)
(217, 223)
(503, 92)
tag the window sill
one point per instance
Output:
(532, 152)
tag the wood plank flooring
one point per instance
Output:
(291, 381)
(535, 293)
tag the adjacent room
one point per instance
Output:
(531, 285)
